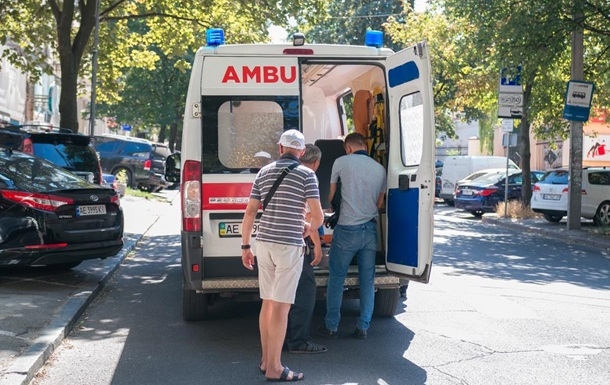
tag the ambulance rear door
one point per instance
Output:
(411, 159)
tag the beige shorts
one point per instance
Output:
(279, 270)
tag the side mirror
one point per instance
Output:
(172, 168)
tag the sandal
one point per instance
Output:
(284, 376)
(308, 347)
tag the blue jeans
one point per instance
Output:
(361, 241)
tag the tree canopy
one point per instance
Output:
(32, 30)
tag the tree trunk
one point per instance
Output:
(173, 133)
(67, 99)
(162, 133)
(524, 147)
(71, 48)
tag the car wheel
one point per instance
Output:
(554, 218)
(194, 305)
(602, 216)
(124, 176)
(386, 301)
(477, 214)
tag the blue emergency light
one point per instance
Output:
(214, 37)
(373, 38)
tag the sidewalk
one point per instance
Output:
(588, 234)
(51, 316)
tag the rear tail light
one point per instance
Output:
(565, 190)
(36, 200)
(487, 192)
(47, 246)
(147, 164)
(536, 188)
(191, 196)
(116, 199)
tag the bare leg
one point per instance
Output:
(276, 332)
(264, 320)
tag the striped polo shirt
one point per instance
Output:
(283, 220)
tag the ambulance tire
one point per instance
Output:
(194, 305)
(386, 301)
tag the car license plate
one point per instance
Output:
(233, 229)
(467, 192)
(551, 197)
(82, 211)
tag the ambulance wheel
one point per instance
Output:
(194, 305)
(386, 301)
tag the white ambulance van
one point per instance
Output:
(240, 99)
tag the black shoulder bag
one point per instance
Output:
(336, 205)
(277, 184)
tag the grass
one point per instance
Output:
(143, 194)
(516, 210)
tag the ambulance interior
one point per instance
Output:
(338, 99)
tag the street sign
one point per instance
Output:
(507, 125)
(510, 80)
(510, 95)
(509, 140)
(126, 127)
(578, 100)
(510, 112)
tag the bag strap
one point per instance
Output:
(277, 184)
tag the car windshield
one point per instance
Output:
(555, 177)
(23, 172)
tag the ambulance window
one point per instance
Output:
(411, 128)
(248, 132)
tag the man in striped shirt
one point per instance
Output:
(279, 245)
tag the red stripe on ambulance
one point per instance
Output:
(260, 74)
(225, 196)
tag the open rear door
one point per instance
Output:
(411, 161)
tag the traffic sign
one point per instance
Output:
(507, 125)
(578, 100)
(510, 80)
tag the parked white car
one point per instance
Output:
(550, 195)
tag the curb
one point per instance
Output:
(25, 367)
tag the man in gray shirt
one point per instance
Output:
(363, 186)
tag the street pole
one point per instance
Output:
(575, 186)
(96, 38)
(507, 137)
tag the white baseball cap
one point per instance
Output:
(292, 139)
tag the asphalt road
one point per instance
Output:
(504, 306)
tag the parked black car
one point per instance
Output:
(140, 161)
(49, 216)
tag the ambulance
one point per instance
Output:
(241, 97)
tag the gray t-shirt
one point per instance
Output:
(362, 180)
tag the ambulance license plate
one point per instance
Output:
(233, 229)
(82, 211)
